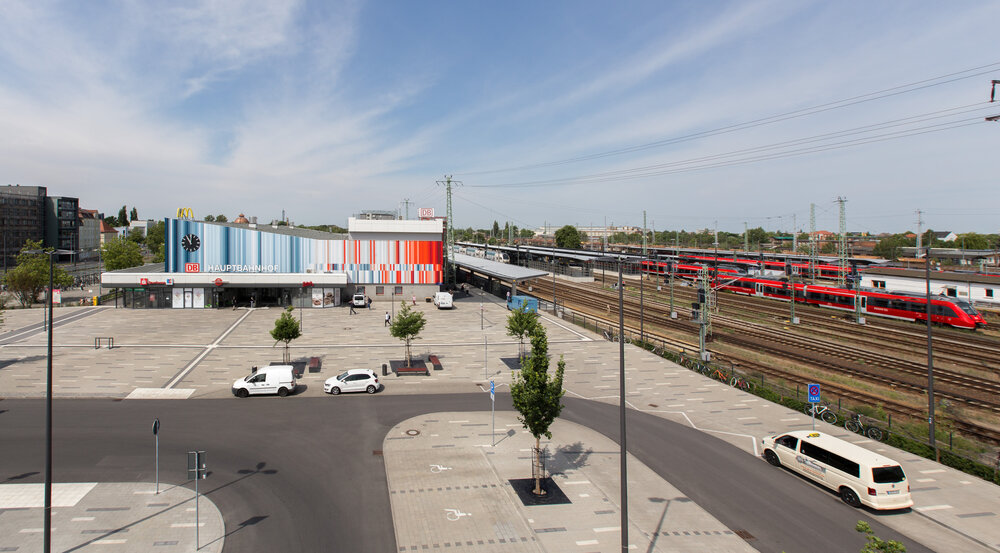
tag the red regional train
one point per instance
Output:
(823, 270)
(898, 305)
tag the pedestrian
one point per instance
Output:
(351, 304)
(508, 296)
(369, 300)
(387, 318)
(414, 299)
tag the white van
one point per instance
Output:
(861, 477)
(359, 300)
(276, 379)
(443, 300)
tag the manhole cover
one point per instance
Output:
(412, 432)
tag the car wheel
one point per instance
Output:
(242, 392)
(371, 389)
(772, 458)
(335, 390)
(849, 497)
(282, 392)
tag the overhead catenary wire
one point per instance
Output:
(712, 161)
(803, 112)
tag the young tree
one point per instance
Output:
(406, 326)
(520, 322)
(876, 544)
(537, 396)
(111, 221)
(133, 215)
(122, 217)
(286, 328)
(221, 219)
(568, 237)
(136, 235)
(120, 254)
(209, 218)
(31, 274)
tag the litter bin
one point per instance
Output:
(385, 370)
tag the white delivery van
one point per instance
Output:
(276, 379)
(860, 476)
(443, 300)
(359, 300)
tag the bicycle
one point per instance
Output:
(856, 425)
(822, 412)
(720, 376)
(741, 383)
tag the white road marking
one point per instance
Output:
(587, 542)
(933, 508)
(932, 471)
(109, 542)
(608, 529)
(82, 519)
(926, 480)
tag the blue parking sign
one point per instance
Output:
(814, 393)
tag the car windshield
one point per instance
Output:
(888, 475)
(342, 376)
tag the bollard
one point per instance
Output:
(385, 370)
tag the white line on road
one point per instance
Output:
(208, 350)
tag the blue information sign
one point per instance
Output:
(492, 390)
(814, 393)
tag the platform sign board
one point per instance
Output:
(814, 393)
(493, 387)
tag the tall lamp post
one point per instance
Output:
(621, 405)
(930, 354)
(47, 529)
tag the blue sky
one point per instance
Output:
(547, 112)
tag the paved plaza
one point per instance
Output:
(197, 354)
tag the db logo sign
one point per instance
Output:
(192, 267)
(143, 282)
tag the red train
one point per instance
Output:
(771, 266)
(897, 305)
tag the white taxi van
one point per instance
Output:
(861, 477)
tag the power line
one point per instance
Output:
(878, 95)
(715, 161)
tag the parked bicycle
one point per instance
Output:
(720, 376)
(855, 424)
(822, 412)
(742, 383)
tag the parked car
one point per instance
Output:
(354, 380)
(359, 300)
(276, 379)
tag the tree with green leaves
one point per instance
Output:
(406, 325)
(537, 395)
(221, 219)
(286, 328)
(155, 236)
(568, 237)
(120, 254)
(122, 217)
(209, 218)
(133, 215)
(137, 235)
(31, 274)
(111, 221)
(520, 322)
(876, 544)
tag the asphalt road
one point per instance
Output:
(299, 474)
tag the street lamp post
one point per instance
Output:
(621, 410)
(47, 529)
(930, 354)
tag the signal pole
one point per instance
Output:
(407, 202)
(812, 241)
(920, 230)
(449, 273)
(746, 238)
(842, 249)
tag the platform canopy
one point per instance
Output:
(495, 269)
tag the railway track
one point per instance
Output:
(598, 302)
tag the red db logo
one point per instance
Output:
(192, 267)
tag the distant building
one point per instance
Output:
(108, 232)
(22, 218)
(945, 236)
(62, 222)
(90, 233)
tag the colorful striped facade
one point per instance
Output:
(224, 249)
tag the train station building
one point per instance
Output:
(210, 265)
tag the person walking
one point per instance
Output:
(351, 304)
(508, 296)
(369, 300)
(414, 299)
(387, 318)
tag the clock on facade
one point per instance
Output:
(191, 242)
